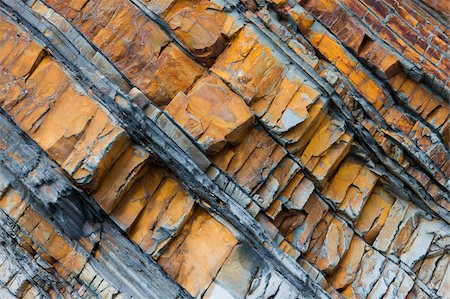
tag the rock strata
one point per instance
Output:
(224, 149)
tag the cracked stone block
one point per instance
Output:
(297, 192)
(251, 161)
(329, 242)
(374, 214)
(326, 149)
(19, 53)
(277, 181)
(212, 114)
(420, 240)
(12, 204)
(347, 268)
(351, 186)
(164, 213)
(128, 168)
(188, 257)
(368, 274)
(268, 284)
(144, 48)
(289, 106)
(393, 220)
(314, 210)
(202, 26)
(405, 231)
(235, 275)
(75, 131)
(129, 208)
(249, 65)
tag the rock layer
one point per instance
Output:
(230, 149)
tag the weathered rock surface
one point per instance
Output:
(224, 149)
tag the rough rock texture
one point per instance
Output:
(224, 149)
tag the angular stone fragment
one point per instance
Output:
(164, 213)
(277, 181)
(405, 231)
(289, 106)
(249, 65)
(18, 53)
(12, 204)
(297, 138)
(251, 161)
(401, 285)
(391, 225)
(211, 113)
(75, 131)
(351, 186)
(235, 275)
(188, 257)
(419, 242)
(367, 275)
(143, 48)
(374, 214)
(326, 149)
(348, 266)
(390, 271)
(128, 168)
(129, 208)
(200, 25)
(329, 242)
(315, 209)
(297, 192)
(348, 171)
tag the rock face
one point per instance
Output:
(224, 149)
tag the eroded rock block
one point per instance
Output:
(252, 160)
(188, 257)
(143, 48)
(212, 114)
(203, 26)
(329, 242)
(162, 216)
(374, 214)
(235, 275)
(326, 149)
(351, 186)
(249, 66)
(347, 268)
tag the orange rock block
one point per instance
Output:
(300, 236)
(250, 66)
(351, 186)
(163, 214)
(18, 53)
(143, 51)
(12, 204)
(289, 106)
(74, 130)
(277, 181)
(374, 214)
(346, 270)
(188, 257)
(212, 114)
(297, 192)
(251, 161)
(329, 242)
(201, 26)
(129, 167)
(326, 149)
(131, 205)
